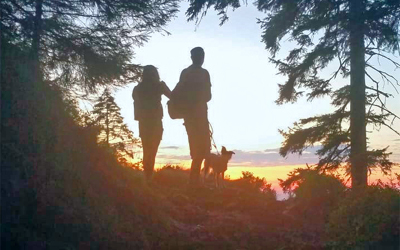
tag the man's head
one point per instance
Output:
(197, 55)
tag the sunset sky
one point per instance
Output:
(244, 87)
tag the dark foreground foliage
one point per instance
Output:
(367, 219)
(59, 188)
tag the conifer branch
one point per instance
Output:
(386, 77)
(387, 95)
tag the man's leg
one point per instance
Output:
(195, 171)
(198, 134)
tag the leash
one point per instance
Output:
(212, 138)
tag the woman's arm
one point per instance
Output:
(165, 90)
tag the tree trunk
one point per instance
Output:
(358, 155)
(37, 31)
(32, 92)
(107, 126)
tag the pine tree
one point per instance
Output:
(83, 43)
(75, 46)
(352, 32)
(113, 132)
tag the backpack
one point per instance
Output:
(173, 110)
(176, 106)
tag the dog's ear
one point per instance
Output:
(223, 150)
(231, 152)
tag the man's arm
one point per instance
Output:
(177, 91)
(207, 92)
(134, 93)
(182, 76)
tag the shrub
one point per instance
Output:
(311, 189)
(252, 183)
(367, 219)
(171, 176)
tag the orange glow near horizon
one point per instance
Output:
(270, 173)
(273, 173)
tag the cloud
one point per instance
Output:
(170, 147)
(271, 157)
(174, 157)
(261, 158)
(395, 156)
(275, 150)
(258, 158)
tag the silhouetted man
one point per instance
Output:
(195, 92)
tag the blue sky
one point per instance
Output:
(244, 87)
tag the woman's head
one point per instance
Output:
(150, 74)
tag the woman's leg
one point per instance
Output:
(151, 141)
(146, 158)
(155, 143)
(150, 148)
(146, 136)
(153, 153)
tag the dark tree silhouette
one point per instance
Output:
(76, 47)
(352, 32)
(48, 49)
(83, 43)
(113, 132)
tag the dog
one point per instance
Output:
(219, 164)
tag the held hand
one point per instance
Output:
(165, 90)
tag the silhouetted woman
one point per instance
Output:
(149, 112)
